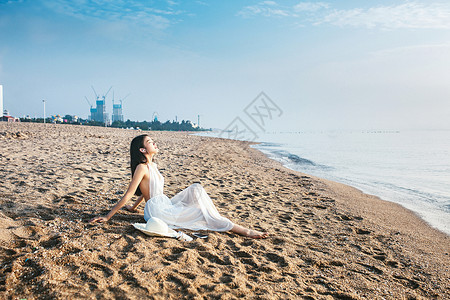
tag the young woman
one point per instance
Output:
(190, 209)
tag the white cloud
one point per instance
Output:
(118, 10)
(310, 6)
(266, 9)
(202, 3)
(406, 15)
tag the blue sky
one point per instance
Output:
(326, 64)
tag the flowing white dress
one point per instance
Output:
(191, 208)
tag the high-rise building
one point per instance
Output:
(117, 112)
(99, 113)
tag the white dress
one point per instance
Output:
(190, 209)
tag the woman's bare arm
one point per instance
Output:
(135, 181)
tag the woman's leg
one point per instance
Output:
(249, 232)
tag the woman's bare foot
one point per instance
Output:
(130, 208)
(257, 234)
(249, 232)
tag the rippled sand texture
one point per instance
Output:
(327, 240)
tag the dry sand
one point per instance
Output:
(327, 240)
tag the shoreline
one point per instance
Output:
(327, 239)
(354, 195)
(415, 212)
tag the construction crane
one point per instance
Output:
(107, 93)
(123, 99)
(88, 101)
(99, 112)
(95, 93)
(104, 96)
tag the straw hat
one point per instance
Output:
(157, 227)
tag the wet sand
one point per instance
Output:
(327, 240)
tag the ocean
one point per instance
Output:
(408, 167)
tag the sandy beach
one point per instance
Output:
(328, 240)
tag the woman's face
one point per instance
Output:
(150, 146)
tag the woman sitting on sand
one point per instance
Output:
(190, 209)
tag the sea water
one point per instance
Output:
(411, 168)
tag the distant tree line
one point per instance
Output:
(157, 125)
(144, 125)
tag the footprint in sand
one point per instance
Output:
(273, 257)
(363, 231)
(372, 269)
(51, 243)
(226, 278)
(278, 241)
(286, 217)
(107, 272)
(320, 207)
(410, 283)
(31, 270)
(213, 258)
(392, 263)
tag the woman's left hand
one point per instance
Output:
(98, 219)
(130, 208)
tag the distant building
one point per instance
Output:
(117, 112)
(7, 118)
(70, 119)
(57, 119)
(99, 113)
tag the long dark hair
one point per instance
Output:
(136, 156)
